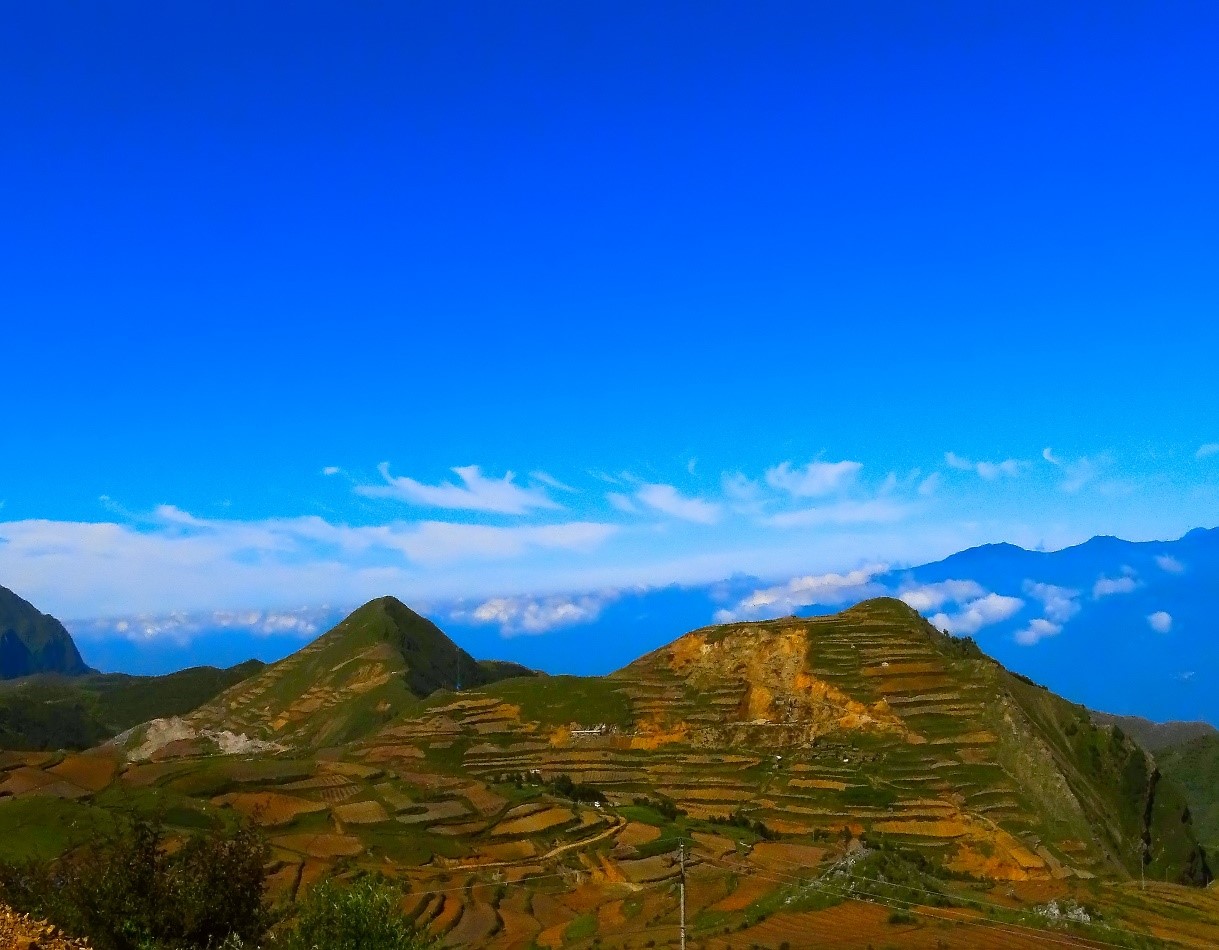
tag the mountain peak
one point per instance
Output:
(34, 642)
(379, 660)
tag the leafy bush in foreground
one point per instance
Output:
(364, 915)
(130, 890)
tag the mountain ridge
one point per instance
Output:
(32, 642)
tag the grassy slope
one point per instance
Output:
(55, 712)
(1194, 765)
(377, 663)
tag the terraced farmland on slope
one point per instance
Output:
(548, 811)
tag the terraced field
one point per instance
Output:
(860, 778)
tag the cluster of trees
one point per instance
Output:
(136, 888)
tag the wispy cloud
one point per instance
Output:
(198, 563)
(813, 480)
(1207, 450)
(1107, 586)
(475, 492)
(551, 482)
(1037, 630)
(990, 471)
(1169, 564)
(669, 501)
(782, 599)
(928, 486)
(876, 511)
(182, 626)
(1059, 604)
(331, 470)
(1160, 621)
(622, 503)
(1077, 473)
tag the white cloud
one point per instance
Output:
(987, 470)
(924, 597)
(739, 486)
(1185, 677)
(877, 511)
(1207, 450)
(331, 470)
(973, 616)
(782, 599)
(516, 615)
(622, 502)
(1059, 604)
(183, 626)
(668, 500)
(1160, 621)
(814, 480)
(551, 482)
(1105, 586)
(1036, 631)
(475, 493)
(173, 560)
(928, 486)
(1077, 473)
(1169, 564)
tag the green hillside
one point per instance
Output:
(378, 662)
(58, 712)
(33, 642)
(1194, 766)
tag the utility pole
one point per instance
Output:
(682, 858)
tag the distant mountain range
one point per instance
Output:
(1128, 627)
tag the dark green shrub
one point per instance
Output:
(129, 891)
(363, 915)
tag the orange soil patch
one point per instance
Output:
(268, 808)
(747, 890)
(319, 781)
(585, 898)
(651, 736)
(311, 873)
(22, 780)
(646, 870)
(485, 801)
(610, 916)
(449, 914)
(828, 784)
(531, 824)
(790, 856)
(550, 911)
(714, 845)
(970, 738)
(350, 769)
(636, 833)
(477, 922)
(519, 926)
(785, 826)
(509, 850)
(893, 669)
(320, 845)
(390, 753)
(148, 773)
(360, 813)
(924, 829)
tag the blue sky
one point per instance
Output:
(574, 296)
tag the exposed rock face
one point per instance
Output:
(19, 932)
